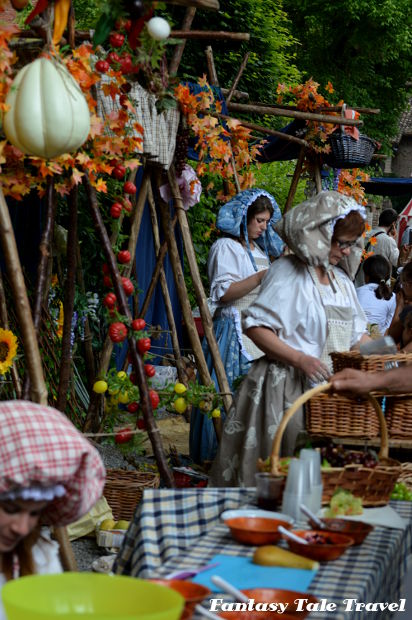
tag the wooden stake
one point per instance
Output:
(21, 302)
(216, 35)
(307, 116)
(179, 49)
(199, 4)
(68, 303)
(237, 78)
(267, 130)
(295, 180)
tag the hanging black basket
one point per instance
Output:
(346, 152)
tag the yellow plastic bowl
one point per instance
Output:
(71, 596)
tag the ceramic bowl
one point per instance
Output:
(193, 593)
(355, 529)
(271, 595)
(332, 548)
(256, 530)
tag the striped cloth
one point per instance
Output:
(178, 529)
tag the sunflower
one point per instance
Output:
(8, 349)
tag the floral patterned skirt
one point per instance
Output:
(266, 393)
(203, 444)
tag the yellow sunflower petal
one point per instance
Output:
(8, 349)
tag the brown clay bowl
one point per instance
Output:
(193, 593)
(355, 529)
(271, 595)
(256, 530)
(335, 545)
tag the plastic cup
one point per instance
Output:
(297, 481)
(312, 458)
(291, 505)
(268, 490)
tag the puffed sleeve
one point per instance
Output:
(227, 263)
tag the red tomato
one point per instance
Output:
(127, 205)
(105, 269)
(154, 398)
(116, 210)
(133, 378)
(133, 407)
(118, 172)
(117, 332)
(123, 24)
(141, 424)
(129, 188)
(149, 370)
(113, 58)
(143, 345)
(110, 300)
(126, 64)
(107, 281)
(138, 324)
(116, 39)
(127, 286)
(102, 66)
(124, 435)
(124, 257)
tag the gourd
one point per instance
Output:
(48, 114)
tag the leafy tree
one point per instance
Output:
(364, 48)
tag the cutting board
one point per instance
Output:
(243, 573)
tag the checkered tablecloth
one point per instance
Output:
(177, 529)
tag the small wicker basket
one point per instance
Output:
(347, 152)
(374, 486)
(353, 359)
(335, 415)
(124, 490)
(399, 416)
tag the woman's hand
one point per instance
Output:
(241, 288)
(313, 368)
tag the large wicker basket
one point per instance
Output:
(347, 152)
(353, 359)
(124, 490)
(374, 486)
(335, 415)
(399, 416)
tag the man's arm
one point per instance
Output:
(394, 381)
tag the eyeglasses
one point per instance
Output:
(342, 245)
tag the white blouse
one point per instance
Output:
(229, 262)
(290, 304)
(378, 311)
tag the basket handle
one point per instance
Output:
(324, 387)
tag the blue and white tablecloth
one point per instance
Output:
(177, 529)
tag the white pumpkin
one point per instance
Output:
(48, 114)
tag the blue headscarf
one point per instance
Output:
(234, 213)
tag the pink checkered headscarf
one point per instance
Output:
(40, 447)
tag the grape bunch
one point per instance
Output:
(182, 141)
(335, 455)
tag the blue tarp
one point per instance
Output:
(388, 186)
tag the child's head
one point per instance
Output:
(406, 320)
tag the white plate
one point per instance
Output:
(255, 512)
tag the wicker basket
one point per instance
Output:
(346, 152)
(335, 415)
(399, 416)
(124, 490)
(374, 486)
(353, 359)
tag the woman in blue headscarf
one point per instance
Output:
(236, 265)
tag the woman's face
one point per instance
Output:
(18, 518)
(340, 248)
(258, 224)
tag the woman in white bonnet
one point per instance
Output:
(306, 308)
(49, 475)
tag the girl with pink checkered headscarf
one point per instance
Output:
(49, 475)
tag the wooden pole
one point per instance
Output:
(136, 221)
(87, 341)
(137, 362)
(307, 116)
(21, 301)
(237, 78)
(199, 4)
(65, 549)
(267, 130)
(237, 94)
(199, 291)
(217, 35)
(179, 49)
(295, 180)
(68, 303)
